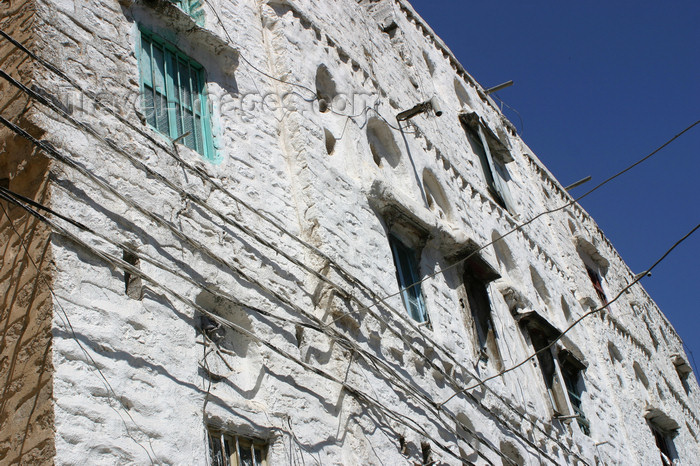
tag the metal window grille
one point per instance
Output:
(233, 450)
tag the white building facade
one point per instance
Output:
(221, 246)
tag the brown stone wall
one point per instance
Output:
(26, 408)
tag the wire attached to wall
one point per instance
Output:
(578, 321)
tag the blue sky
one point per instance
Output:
(599, 85)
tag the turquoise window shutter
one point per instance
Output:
(407, 273)
(174, 95)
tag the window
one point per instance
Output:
(477, 276)
(493, 167)
(407, 274)
(542, 334)
(597, 284)
(571, 371)
(233, 450)
(664, 443)
(174, 98)
(194, 8)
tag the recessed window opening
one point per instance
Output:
(541, 335)
(174, 95)
(435, 196)
(571, 371)
(597, 284)
(382, 143)
(494, 171)
(407, 263)
(476, 278)
(132, 283)
(664, 442)
(234, 450)
(325, 88)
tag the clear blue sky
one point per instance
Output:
(599, 85)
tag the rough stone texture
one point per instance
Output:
(314, 363)
(26, 370)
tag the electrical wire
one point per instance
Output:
(418, 352)
(103, 379)
(360, 396)
(528, 222)
(577, 321)
(375, 302)
(428, 403)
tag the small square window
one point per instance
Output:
(234, 450)
(408, 275)
(174, 95)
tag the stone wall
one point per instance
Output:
(26, 370)
(285, 242)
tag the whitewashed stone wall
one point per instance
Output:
(160, 382)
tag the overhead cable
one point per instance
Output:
(577, 321)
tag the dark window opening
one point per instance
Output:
(408, 277)
(597, 284)
(665, 445)
(478, 148)
(481, 313)
(132, 283)
(541, 339)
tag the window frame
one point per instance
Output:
(159, 81)
(493, 167)
(665, 445)
(476, 276)
(233, 457)
(407, 266)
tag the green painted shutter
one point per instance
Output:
(174, 95)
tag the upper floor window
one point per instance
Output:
(597, 284)
(477, 276)
(174, 97)
(194, 8)
(233, 450)
(406, 260)
(664, 442)
(572, 373)
(491, 158)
